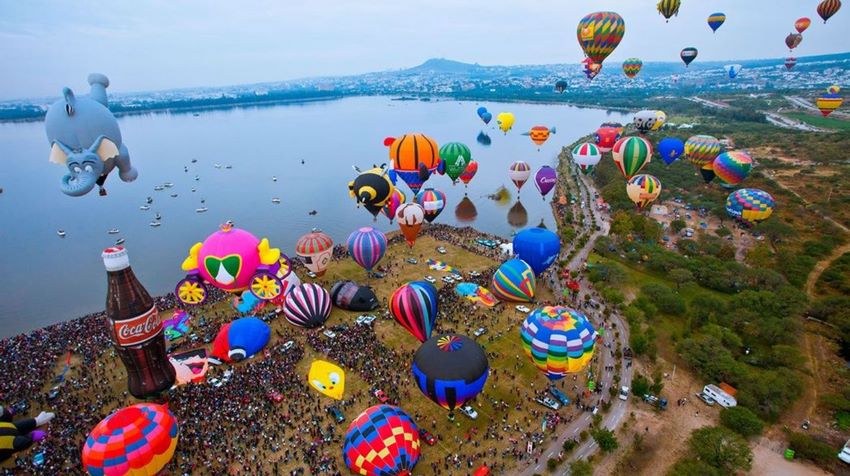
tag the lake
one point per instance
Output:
(47, 279)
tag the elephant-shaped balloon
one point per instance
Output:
(84, 136)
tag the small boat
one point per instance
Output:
(61, 233)
(194, 161)
(275, 200)
(173, 195)
(197, 177)
(144, 208)
(274, 179)
(201, 210)
(149, 200)
(218, 166)
(168, 185)
(159, 188)
(185, 169)
(154, 224)
(158, 216)
(114, 231)
(228, 166)
(119, 241)
(203, 200)
(193, 189)
(313, 212)
(195, 114)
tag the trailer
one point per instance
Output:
(719, 395)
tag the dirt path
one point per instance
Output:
(821, 266)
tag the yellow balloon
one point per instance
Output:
(660, 119)
(327, 378)
(505, 121)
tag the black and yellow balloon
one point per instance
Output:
(372, 189)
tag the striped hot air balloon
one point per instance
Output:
(829, 101)
(701, 150)
(469, 173)
(558, 340)
(396, 200)
(733, 167)
(643, 189)
(367, 246)
(668, 8)
(631, 154)
(414, 155)
(688, 55)
(414, 306)
(519, 172)
(139, 440)
(750, 205)
(599, 34)
(307, 305)
(315, 249)
(455, 157)
(631, 67)
(586, 156)
(828, 8)
(381, 441)
(514, 281)
(432, 201)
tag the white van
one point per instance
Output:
(845, 453)
(718, 395)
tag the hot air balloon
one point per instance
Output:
(381, 441)
(465, 211)
(716, 20)
(410, 218)
(432, 201)
(139, 439)
(545, 180)
(668, 8)
(538, 247)
(688, 55)
(599, 34)
(732, 70)
(590, 68)
(790, 62)
(732, 167)
(315, 249)
(414, 306)
(586, 156)
(539, 134)
(487, 117)
(606, 137)
(750, 206)
(660, 120)
(632, 154)
(828, 8)
(707, 172)
(631, 67)
(350, 296)
(450, 369)
(372, 189)
(483, 139)
(327, 378)
(518, 215)
(239, 340)
(558, 340)
(701, 150)
(793, 40)
(469, 172)
(308, 305)
(645, 121)
(519, 172)
(481, 110)
(834, 89)
(456, 157)
(829, 101)
(560, 86)
(505, 120)
(802, 24)
(514, 281)
(410, 155)
(396, 200)
(670, 149)
(367, 246)
(643, 189)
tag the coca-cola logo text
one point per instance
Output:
(138, 329)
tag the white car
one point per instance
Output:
(430, 279)
(469, 411)
(480, 332)
(474, 274)
(845, 453)
(548, 403)
(364, 320)
(288, 345)
(215, 382)
(227, 373)
(441, 250)
(624, 393)
(522, 308)
(447, 280)
(329, 333)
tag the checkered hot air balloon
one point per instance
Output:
(514, 281)
(558, 340)
(750, 205)
(733, 167)
(643, 189)
(307, 305)
(381, 441)
(450, 369)
(701, 150)
(631, 155)
(138, 440)
(366, 247)
(599, 34)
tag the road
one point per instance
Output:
(606, 351)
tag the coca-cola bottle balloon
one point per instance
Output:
(135, 328)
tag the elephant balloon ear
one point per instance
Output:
(59, 153)
(104, 148)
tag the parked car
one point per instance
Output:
(412, 260)
(522, 308)
(380, 395)
(311, 274)
(216, 382)
(706, 399)
(340, 328)
(447, 280)
(441, 250)
(548, 403)
(430, 279)
(427, 437)
(336, 414)
(559, 396)
(474, 274)
(845, 453)
(287, 345)
(329, 333)
(480, 331)
(54, 392)
(469, 411)
(364, 320)
(624, 393)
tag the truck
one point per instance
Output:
(659, 403)
(719, 395)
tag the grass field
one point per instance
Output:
(819, 121)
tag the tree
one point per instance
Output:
(721, 448)
(678, 225)
(680, 276)
(606, 439)
(774, 230)
(690, 467)
(742, 421)
(640, 385)
(621, 223)
(664, 298)
(581, 468)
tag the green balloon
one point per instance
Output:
(456, 157)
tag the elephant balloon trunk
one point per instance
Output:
(77, 185)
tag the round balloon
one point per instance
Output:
(631, 67)
(519, 172)
(586, 156)
(790, 62)
(381, 441)
(689, 55)
(545, 180)
(538, 247)
(645, 120)
(702, 149)
(732, 167)
(367, 246)
(793, 40)
(450, 369)
(456, 157)
(606, 137)
(414, 306)
(802, 24)
(716, 20)
(829, 101)
(540, 134)
(505, 120)
(308, 305)
(670, 149)
(668, 8)
(750, 205)
(828, 8)
(514, 281)
(315, 249)
(558, 340)
(599, 34)
(560, 86)
(643, 189)
(631, 155)
(432, 201)
(410, 218)
(469, 172)
(410, 155)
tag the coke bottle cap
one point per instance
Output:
(115, 258)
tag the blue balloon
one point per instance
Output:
(246, 337)
(249, 302)
(486, 117)
(483, 139)
(538, 247)
(670, 149)
(481, 110)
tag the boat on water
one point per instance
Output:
(158, 216)
(114, 231)
(195, 114)
(197, 177)
(119, 241)
(144, 208)
(274, 179)
(173, 195)
(218, 166)
(193, 189)
(201, 210)
(159, 188)
(194, 161)
(275, 200)
(155, 224)
(149, 200)
(167, 184)
(61, 233)
(228, 166)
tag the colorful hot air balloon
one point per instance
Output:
(670, 149)
(505, 120)
(599, 34)
(793, 40)
(631, 67)
(410, 218)
(414, 306)
(558, 340)
(315, 249)
(750, 206)
(381, 441)
(367, 246)
(688, 55)
(668, 8)
(645, 121)
(450, 370)
(701, 150)
(716, 20)
(456, 157)
(469, 172)
(632, 154)
(829, 101)
(519, 172)
(327, 378)
(790, 62)
(643, 189)
(410, 155)
(487, 117)
(586, 156)
(432, 201)
(396, 200)
(660, 120)
(606, 137)
(372, 189)
(240, 339)
(707, 172)
(538, 247)
(540, 134)
(514, 281)
(308, 305)
(590, 68)
(732, 167)
(560, 86)
(802, 24)
(139, 440)
(828, 8)
(545, 180)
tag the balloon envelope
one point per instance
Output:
(351, 296)
(514, 281)
(383, 440)
(750, 205)
(545, 180)
(558, 340)
(327, 378)
(732, 167)
(505, 120)
(689, 55)
(631, 155)
(716, 20)
(599, 34)
(315, 249)
(450, 369)
(606, 137)
(432, 202)
(538, 247)
(631, 67)
(702, 149)
(643, 189)
(802, 24)
(308, 305)
(519, 172)
(410, 218)
(411, 152)
(670, 149)
(586, 156)
(414, 306)
(367, 246)
(456, 157)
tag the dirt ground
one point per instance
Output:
(741, 240)
(768, 460)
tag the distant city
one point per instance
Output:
(443, 78)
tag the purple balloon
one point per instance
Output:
(545, 180)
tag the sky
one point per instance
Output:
(145, 45)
